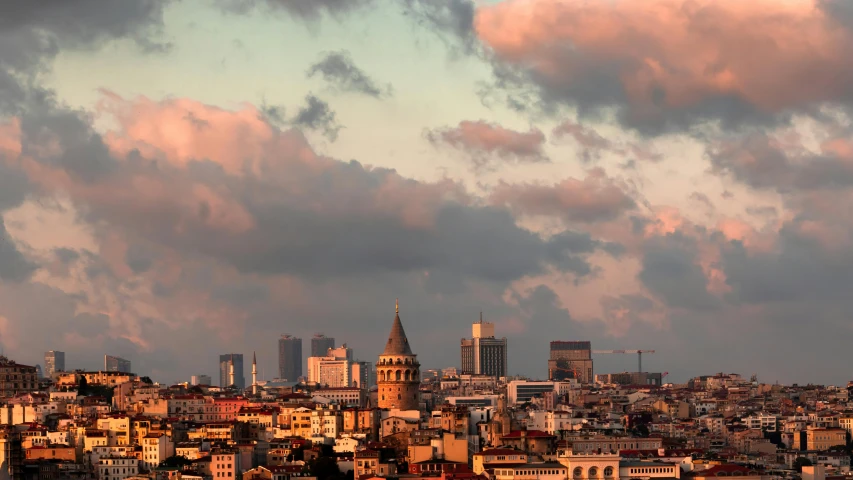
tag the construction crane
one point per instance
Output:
(638, 352)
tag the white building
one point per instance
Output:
(520, 391)
(155, 449)
(117, 468)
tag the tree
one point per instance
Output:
(324, 468)
(146, 380)
(176, 461)
(83, 387)
(801, 462)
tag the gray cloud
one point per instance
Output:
(302, 9)
(13, 265)
(761, 162)
(451, 20)
(338, 69)
(317, 115)
(670, 269)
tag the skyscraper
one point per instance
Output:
(571, 360)
(116, 364)
(225, 370)
(54, 361)
(320, 344)
(290, 358)
(483, 354)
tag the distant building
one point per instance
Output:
(225, 363)
(201, 380)
(334, 369)
(320, 344)
(363, 375)
(290, 358)
(116, 364)
(16, 378)
(570, 360)
(484, 354)
(631, 378)
(54, 361)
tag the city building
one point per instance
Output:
(320, 344)
(54, 361)
(398, 371)
(630, 378)
(290, 358)
(334, 369)
(201, 380)
(116, 364)
(570, 360)
(483, 354)
(362, 374)
(16, 378)
(231, 364)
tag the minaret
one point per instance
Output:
(254, 374)
(398, 371)
(231, 371)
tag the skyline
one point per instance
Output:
(184, 178)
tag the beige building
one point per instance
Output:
(819, 439)
(16, 378)
(398, 371)
(497, 458)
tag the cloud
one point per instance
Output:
(301, 9)
(484, 142)
(671, 269)
(764, 161)
(451, 20)
(595, 198)
(13, 265)
(670, 65)
(338, 69)
(317, 115)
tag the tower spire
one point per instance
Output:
(481, 316)
(397, 305)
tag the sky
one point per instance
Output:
(183, 179)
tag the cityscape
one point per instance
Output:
(426, 239)
(394, 420)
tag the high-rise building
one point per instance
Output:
(362, 374)
(290, 358)
(231, 364)
(336, 369)
(571, 360)
(116, 364)
(483, 354)
(320, 344)
(201, 380)
(54, 361)
(398, 371)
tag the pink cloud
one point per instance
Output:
(482, 140)
(595, 198)
(675, 54)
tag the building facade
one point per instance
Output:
(570, 360)
(54, 361)
(320, 345)
(115, 364)
(225, 364)
(398, 371)
(16, 378)
(484, 354)
(290, 358)
(201, 380)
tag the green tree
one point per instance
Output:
(324, 468)
(178, 461)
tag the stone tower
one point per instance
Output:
(398, 371)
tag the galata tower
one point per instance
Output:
(398, 371)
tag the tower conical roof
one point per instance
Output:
(397, 344)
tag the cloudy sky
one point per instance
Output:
(180, 179)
